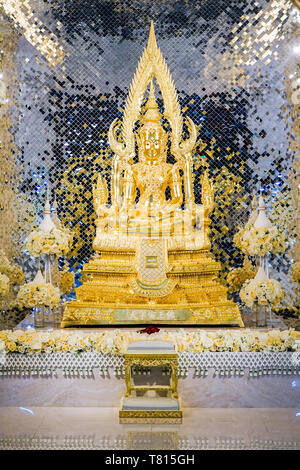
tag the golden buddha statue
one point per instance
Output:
(140, 206)
(152, 262)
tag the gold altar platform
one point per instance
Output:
(196, 299)
(152, 261)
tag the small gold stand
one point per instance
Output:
(159, 409)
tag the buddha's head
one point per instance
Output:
(152, 138)
(152, 142)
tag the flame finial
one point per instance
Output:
(47, 222)
(152, 45)
(152, 115)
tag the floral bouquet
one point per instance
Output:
(53, 242)
(296, 271)
(66, 281)
(12, 271)
(259, 241)
(236, 277)
(268, 291)
(37, 294)
(4, 285)
(237, 239)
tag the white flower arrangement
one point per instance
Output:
(35, 294)
(282, 214)
(267, 291)
(259, 241)
(116, 341)
(4, 285)
(49, 242)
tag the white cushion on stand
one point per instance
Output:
(148, 403)
(151, 345)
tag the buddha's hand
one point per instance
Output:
(208, 204)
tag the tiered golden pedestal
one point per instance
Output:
(196, 298)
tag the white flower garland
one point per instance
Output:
(116, 341)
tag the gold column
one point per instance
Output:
(293, 93)
(292, 116)
(8, 170)
(294, 176)
(23, 16)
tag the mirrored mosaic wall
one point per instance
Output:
(66, 68)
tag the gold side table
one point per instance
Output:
(159, 409)
(151, 359)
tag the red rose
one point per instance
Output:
(149, 330)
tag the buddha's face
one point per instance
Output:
(152, 143)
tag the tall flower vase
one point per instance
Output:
(49, 317)
(48, 266)
(262, 261)
(261, 314)
(39, 317)
(48, 312)
(274, 321)
(58, 314)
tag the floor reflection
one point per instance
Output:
(144, 441)
(99, 429)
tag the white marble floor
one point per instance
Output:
(99, 428)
